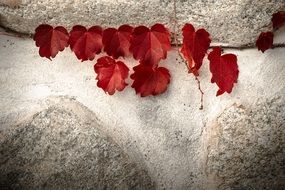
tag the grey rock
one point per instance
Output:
(62, 147)
(232, 23)
(249, 151)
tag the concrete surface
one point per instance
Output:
(235, 142)
(232, 23)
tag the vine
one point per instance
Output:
(148, 46)
(265, 39)
(184, 61)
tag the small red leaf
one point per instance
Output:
(117, 42)
(278, 19)
(150, 45)
(224, 70)
(194, 47)
(86, 43)
(111, 75)
(265, 41)
(150, 80)
(50, 40)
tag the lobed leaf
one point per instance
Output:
(265, 41)
(150, 80)
(50, 40)
(111, 74)
(194, 47)
(278, 20)
(117, 42)
(224, 70)
(149, 46)
(86, 43)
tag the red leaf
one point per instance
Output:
(117, 42)
(278, 19)
(50, 40)
(224, 70)
(194, 47)
(265, 41)
(150, 45)
(150, 80)
(111, 74)
(86, 43)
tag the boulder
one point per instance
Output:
(231, 23)
(62, 147)
(247, 149)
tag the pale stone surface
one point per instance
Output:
(62, 147)
(249, 148)
(232, 23)
(168, 134)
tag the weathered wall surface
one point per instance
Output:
(53, 114)
(232, 23)
(236, 142)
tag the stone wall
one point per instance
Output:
(59, 131)
(232, 23)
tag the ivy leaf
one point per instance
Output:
(150, 80)
(224, 70)
(50, 40)
(86, 43)
(194, 47)
(117, 42)
(149, 46)
(278, 19)
(111, 74)
(265, 41)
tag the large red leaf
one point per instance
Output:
(150, 80)
(50, 40)
(86, 43)
(149, 46)
(117, 42)
(265, 41)
(278, 19)
(194, 47)
(224, 70)
(111, 75)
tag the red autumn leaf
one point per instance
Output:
(150, 80)
(86, 43)
(224, 70)
(265, 41)
(278, 19)
(50, 40)
(111, 75)
(117, 42)
(194, 47)
(150, 45)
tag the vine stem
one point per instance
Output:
(202, 93)
(198, 82)
(175, 24)
(181, 56)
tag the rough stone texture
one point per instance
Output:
(249, 148)
(167, 134)
(232, 23)
(62, 147)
